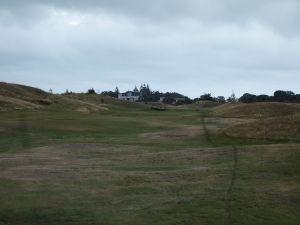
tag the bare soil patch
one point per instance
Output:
(287, 186)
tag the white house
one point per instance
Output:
(161, 99)
(131, 96)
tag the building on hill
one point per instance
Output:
(131, 96)
(161, 99)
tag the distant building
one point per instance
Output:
(161, 99)
(131, 96)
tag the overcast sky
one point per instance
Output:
(191, 46)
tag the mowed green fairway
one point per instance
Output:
(137, 166)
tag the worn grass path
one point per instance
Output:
(230, 191)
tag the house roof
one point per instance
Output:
(133, 93)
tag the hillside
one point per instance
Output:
(122, 163)
(16, 97)
(256, 110)
(287, 127)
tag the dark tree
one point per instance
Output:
(263, 98)
(110, 93)
(183, 101)
(175, 98)
(145, 93)
(207, 97)
(248, 98)
(279, 96)
(221, 99)
(135, 89)
(168, 100)
(91, 91)
(117, 91)
(284, 96)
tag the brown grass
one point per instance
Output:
(287, 127)
(16, 90)
(182, 132)
(84, 160)
(8, 103)
(286, 185)
(14, 96)
(256, 110)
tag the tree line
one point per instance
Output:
(278, 96)
(148, 95)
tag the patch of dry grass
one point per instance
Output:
(14, 96)
(256, 110)
(179, 132)
(119, 184)
(287, 127)
(8, 103)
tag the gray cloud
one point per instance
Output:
(275, 13)
(191, 46)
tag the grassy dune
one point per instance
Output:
(133, 165)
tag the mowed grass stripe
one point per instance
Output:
(100, 168)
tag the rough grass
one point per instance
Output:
(59, 166)
(286, 128)
(21, 91)
(14, 96)
(256, 110)
(109, 184)
(19, 97)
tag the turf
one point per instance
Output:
(133, 165)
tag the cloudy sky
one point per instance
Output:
(191, 46)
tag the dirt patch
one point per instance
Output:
(287, 186)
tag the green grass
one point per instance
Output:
(118, 127)
(62, 167)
